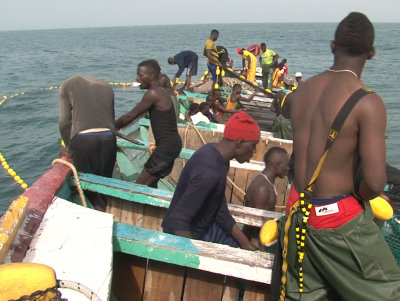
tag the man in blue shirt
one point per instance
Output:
(185, 59)
(199, 208)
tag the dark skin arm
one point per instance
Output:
(237, 97)
(208, 54)
(150, 98)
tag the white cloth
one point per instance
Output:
(196, 118)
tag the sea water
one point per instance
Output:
(34, 63)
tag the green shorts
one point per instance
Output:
(351, 262)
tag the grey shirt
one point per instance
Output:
(85, 103)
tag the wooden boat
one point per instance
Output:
(122, 254)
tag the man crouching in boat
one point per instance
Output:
(87, 127)
(198, 208)
(158, 103)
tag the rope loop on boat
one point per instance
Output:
(76, 178)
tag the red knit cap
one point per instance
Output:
(241, 127)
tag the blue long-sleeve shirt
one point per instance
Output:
(199, 197)
(184, 59)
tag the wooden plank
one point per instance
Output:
(205, 256)
(128, 277)
(160, 198)
(256, 292)
(207, 285)
(163, 282)
(231, 289)
(240, 181)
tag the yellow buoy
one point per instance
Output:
(269, 232)
(24, 278)
(216, 86)
(217, 72)
(223, 73)
(381, 208)
(24, 186)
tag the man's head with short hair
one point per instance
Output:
(210, 98)
(204, 108)
(237, 87)
(355, 34)
(278, 159)
(171, 61)
(152, 65)
(193, 109)
(214, 34)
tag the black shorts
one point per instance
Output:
(157, 166)
(192, 69)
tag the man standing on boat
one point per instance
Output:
(211, 52)
(185, 59)
(86, 125)
(198, 208)
(249, 64)
(158, 103)
(282, 127)
(345, 256)
(268, 60)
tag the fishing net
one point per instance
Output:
(391, 232)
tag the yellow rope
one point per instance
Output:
(78, 183)
(293, 209)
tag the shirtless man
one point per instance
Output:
(261, 192)
(158, 103)
(350, 260)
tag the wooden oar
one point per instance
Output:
(128, 138)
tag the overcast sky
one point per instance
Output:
(51, 14)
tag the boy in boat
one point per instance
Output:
(198, 208)
(158, 103)
(345, 255)
(235, 97)
(86, 125)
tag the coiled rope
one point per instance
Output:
(76, 178)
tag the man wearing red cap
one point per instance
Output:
(198, 208)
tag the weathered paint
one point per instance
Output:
(10, 223)
(206, 256)
(155, 245)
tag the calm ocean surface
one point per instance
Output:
(31, 61)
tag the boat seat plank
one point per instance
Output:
(205, 256)
(73, 240)
(162, 198)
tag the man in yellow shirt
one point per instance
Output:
(210, 51)
(250, 70)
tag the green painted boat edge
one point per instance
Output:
(155, 245)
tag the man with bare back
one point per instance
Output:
(335, 251)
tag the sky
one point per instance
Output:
(54, 14)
